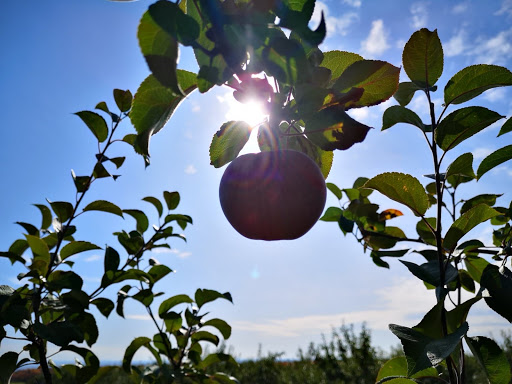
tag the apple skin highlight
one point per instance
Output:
(273, 195)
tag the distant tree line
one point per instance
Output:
(347, 357)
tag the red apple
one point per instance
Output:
(273, 195)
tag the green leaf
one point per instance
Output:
(397, 366)
(75, 247)
(397, 114)
(338, 62)
(83, 374)
(104, 206)
(171, 302)
(286, 60)
(462, 124)
(423, 58)
(46, 215)
(215, 358)
(95, 123)
(204, 296)
(134, 346)
(493, 160)
(144, 296)
(62, 209)
(172, 199)
(60, 333)
(462, 165)
(488, 199)
(38, 247)
(223, 327)
(157, 272)
(332, 214)
(498, 284)
(335, 190)
(332, 128)
(474, 80)
(154, 104)
(205, 336)
(506, 128)
(405, 92)
(105, 306)
(378, 79)
(491, 358)
(31, 229)
(123, 99)
(156, 203)
(228, 141)
(171, 18)
(111, 260)
(429, 272)
(423, 352)
(466, 281)
(118, 161)
(466, 222)
(8, 362)
(402, 188)
(140, 217)
(424, 231)
(475, 266)
(160, 51)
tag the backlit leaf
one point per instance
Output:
(338, 62)
(397, 366)
(75, 247)
(203, 296)
(405, 92)
(389, 214)
(475, 266)
(462, 124)
(46, 215)
(140, 217)
(228, 141)
(488, 199)
(170, 303)
(335, 190)
(62, 209)
(172, 199)
(423, 58)
(332, 128)
(466, 222)
(332, 214)
(491, 358)
(506, 128)
(397, 114)
(498, 284)
(156, 203)
(463, 165)
(123, 99)
(429, 272)
(104, 206)
(160, 51)
(473, 80)
(134, 346)
(493, 160)
(171, 18)
(378, 79)
(402, 188)
(95, 123)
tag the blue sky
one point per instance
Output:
(63, 56)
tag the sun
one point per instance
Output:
(252, 113)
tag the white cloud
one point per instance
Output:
(419, 14)
(376, 42)
(184, 255)
(361, 114)
(195, 107)
(494, 50)
(138, 317)
(92, 258)
(460, 8)
(495, 94)
(353, 3)
(481, 153)
(190, 169)
(506, 8)
(177, 252)
(405, 303)
(335, 25)
(456, 45)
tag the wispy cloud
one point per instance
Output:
(460, 8)
(506, 8)
(353, 3)
(419, 14)
(376, 42)
(138, 317)
(92, 258)
(480, 153)
(457, 44)
(495, 94)
(177, 252)
(190, 169)
(335, 25)
(494, 50)
(404, 303)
